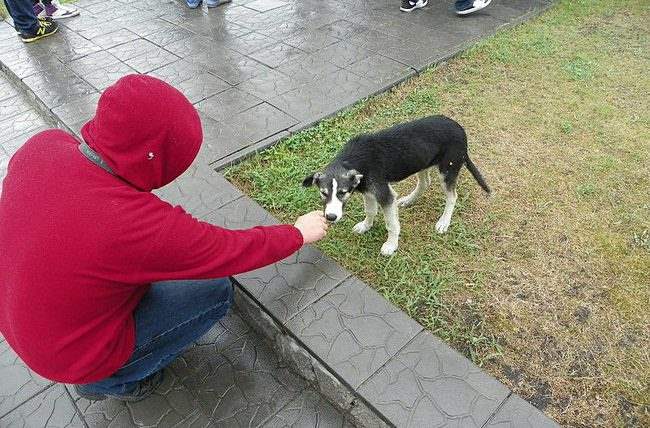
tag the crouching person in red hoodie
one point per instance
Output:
(102, 284)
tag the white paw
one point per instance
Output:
(361, 227)
(388, 249)
(404, 202)
(442, 225)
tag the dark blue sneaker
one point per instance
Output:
(465, 7)
(142, 390)
(215, 3)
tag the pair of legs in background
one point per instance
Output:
(27, 24)
(53, 9)
(168, 319)
(33, 20)
(463, 7)
(193, 4)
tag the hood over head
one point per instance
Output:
(147, 131)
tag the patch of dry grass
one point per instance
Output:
(546, 284)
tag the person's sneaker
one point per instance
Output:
(44, 29)
(56, 10)
(143, 389)
(465, 7)
(88, 395)
(409, 5)
(40, 18)
(193, 4)
(215, 3)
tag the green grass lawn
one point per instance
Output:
(545, 284)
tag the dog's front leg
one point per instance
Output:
(391, 216)
(370, 205)
(392, 225)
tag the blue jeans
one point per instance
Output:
(22, 12)
(168, 319)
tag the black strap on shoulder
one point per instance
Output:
(94, 157)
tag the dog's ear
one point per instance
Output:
(354, 175)
(312, 179)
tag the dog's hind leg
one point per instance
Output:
(370, 205)
(424, 181)
(449, 186)
(391, 217)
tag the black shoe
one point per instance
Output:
(45, 28)
(409, 5)
(88, 396)
(40, 18)
(143, 389)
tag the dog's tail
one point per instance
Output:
(476, 174)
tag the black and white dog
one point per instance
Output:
(369, 163)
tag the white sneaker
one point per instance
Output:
(476, 6)
(409, 5)
(56, 10)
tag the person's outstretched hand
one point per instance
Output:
(313, 226)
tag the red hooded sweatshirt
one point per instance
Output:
(79, 247)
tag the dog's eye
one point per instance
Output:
(323, 193)
(342, 192)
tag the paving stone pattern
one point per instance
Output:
(19, 120)
(19, 384)
(354, 330)
(515, 412)
(258, 70)
(449, 389)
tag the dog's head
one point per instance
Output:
(335, 190)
